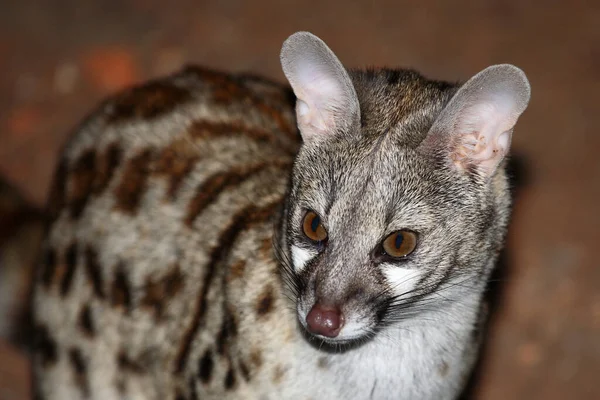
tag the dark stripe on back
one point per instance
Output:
(93, 271)
(70, 262)
(57, 197)
(277, 116)
(208, 130)
(86, 322)
(244, 370)
(107, 163)
(79, 367)
(228, 329)
(145, 102)
(193, 391)
(230, 379)
(48, 266)
(213, 186)
(45, 346)
(242, 221)
(205, 366)
(228, 89)
(175, 162)
(82, 177)
(157, 293)
(130, 189)
(121, 291)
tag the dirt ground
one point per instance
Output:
(59, 58)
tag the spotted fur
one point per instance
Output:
(168, 267)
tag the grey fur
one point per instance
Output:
(230, 325)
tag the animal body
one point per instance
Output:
(200, 248)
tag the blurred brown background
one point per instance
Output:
(59, 58)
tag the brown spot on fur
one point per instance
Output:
(256, 358)
(244, 370)
(121, 292)
(79, 370)
(236, 270)
(205, 367)
(133, 182)
(175, 162)
(127, 365)
(159, 292)
(228, 329)
(86, 323)
(145, 102)
(94, 271)
(68, 269)
(45, 346)
(57, 196)
(107, 165)
(278, 374)
(82, 177)
(265, 301)
(443, 369)
(323, 363)
(48, 266)
(230, 379)
(210, 189)
(193, 390)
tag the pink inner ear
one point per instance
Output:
(320, 97)
(302, 108)
(483, 134)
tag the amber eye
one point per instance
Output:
(313, 228)
(400, 244)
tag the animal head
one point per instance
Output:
(398, 191)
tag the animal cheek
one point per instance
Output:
(301, 257)
(401, 280)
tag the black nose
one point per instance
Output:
(325, 320)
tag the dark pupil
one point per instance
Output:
(399, 240)
(315, 223)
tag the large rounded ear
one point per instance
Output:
(327, 101)
(474, 131)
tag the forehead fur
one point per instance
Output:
(374, 166)
(399, 101)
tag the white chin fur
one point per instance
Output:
(300, 257)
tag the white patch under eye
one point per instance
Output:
(300, 257)
(401, 280)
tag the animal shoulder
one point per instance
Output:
(158, 193)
